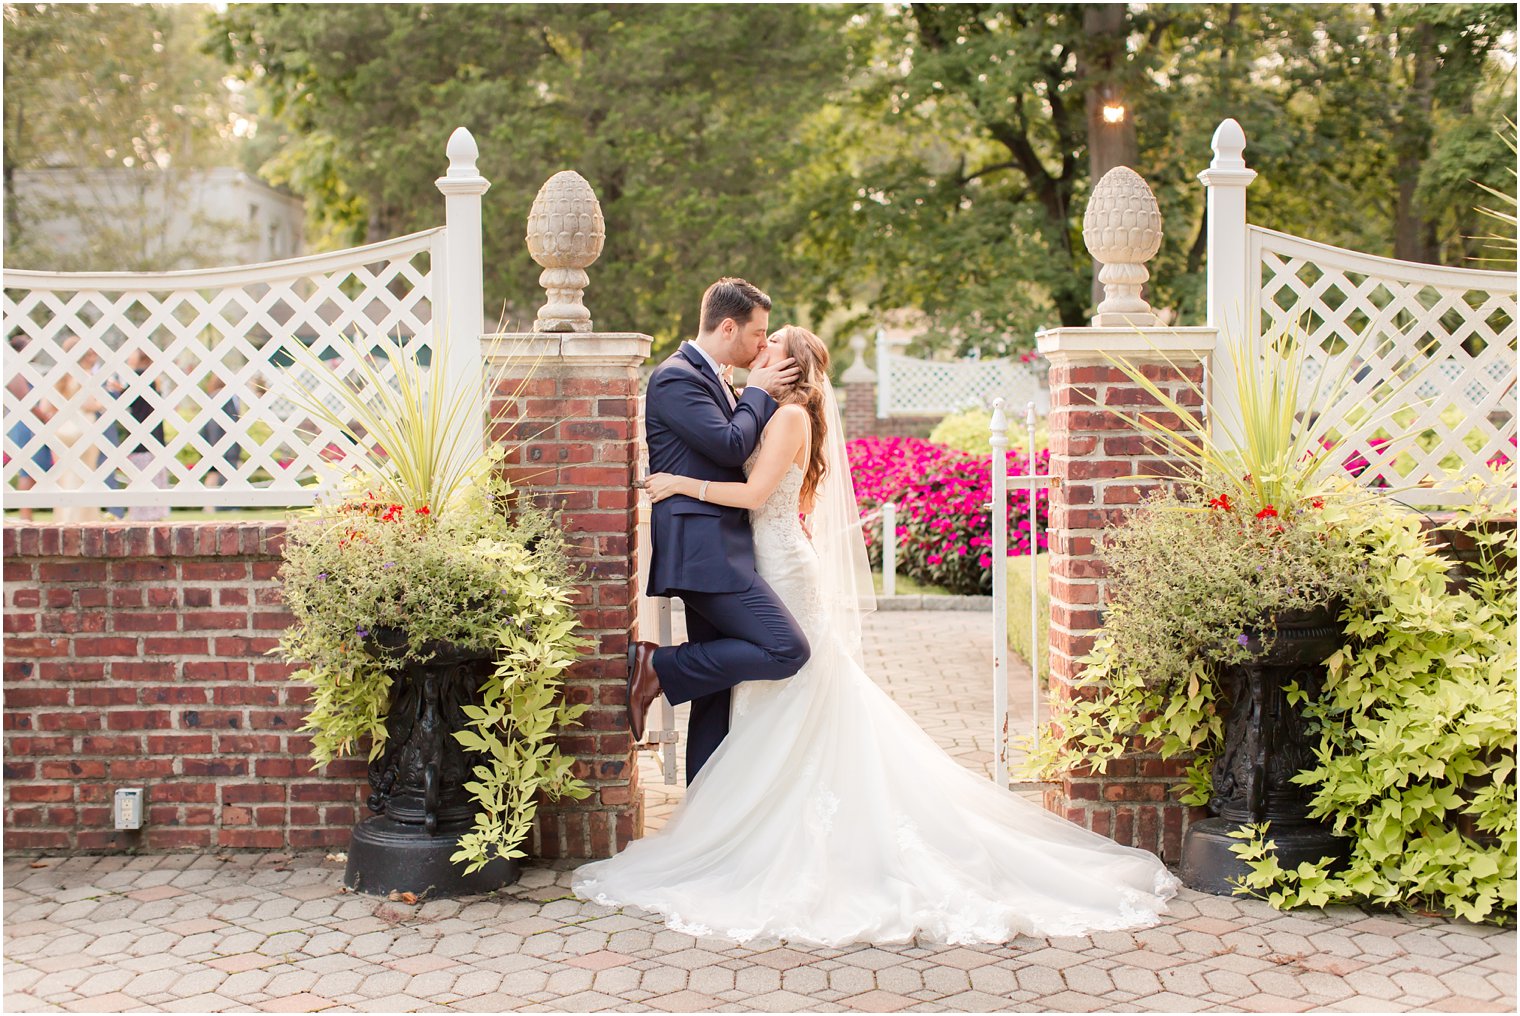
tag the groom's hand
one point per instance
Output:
(774, 378)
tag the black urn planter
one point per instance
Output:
(420, 803)
(1266, 744)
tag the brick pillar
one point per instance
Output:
(859, 382)
(1092, 451)
(575, 438)
(859, 409)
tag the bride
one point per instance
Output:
(827, 816)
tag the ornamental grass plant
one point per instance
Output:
(420, 546)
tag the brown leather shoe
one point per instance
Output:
(643, 685)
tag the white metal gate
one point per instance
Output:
(1001, 479)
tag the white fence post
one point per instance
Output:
(1232, 292)
(883, 375)
(889, 549)
(1000, 594)
(460, 280)
(1034, 582)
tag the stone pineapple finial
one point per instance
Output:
(1122, 231)
(565, 236)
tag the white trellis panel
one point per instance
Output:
(915, 387)
(236, 323)
(1464, 402)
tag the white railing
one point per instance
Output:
(906, 386)
(1435, 346)
(164, 379)
(1001, 479)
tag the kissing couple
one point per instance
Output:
(817, 811)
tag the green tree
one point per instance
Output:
(685, 120)
(953, 175)
(121, 103)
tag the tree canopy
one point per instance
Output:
(116, 87)
(849, 159)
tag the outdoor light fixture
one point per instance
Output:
(1113, 112)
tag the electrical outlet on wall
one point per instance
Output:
(128, 811)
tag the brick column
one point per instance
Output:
(859, 383)
(1093, 451)
(574, 438)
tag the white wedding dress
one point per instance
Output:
(828, 817)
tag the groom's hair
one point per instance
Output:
(730, 298)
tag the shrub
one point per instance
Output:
(970, 431)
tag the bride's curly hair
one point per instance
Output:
(807, 391)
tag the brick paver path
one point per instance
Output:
(246, 931)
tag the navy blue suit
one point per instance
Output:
(704, 553)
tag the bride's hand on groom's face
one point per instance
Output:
(662, 485)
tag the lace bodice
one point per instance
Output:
(778, 517)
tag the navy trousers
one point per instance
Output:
(733, 637)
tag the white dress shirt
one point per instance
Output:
(717, 372)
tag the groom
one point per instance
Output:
(702, 552)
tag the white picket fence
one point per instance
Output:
(238, 325)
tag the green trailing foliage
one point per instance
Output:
(1416, 759)
(473, 576)
(1416, 755)
(1186, 581)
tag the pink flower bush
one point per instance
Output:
(882, 467)
(944, 533)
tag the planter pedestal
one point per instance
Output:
(419, 798)
(1266, 744)
(387, 855)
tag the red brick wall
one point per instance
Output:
(582, 463)
(1092, 451)
(134, 656)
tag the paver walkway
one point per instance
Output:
(271, 932)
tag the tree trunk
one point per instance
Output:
(1414, 228)
(1101, 64)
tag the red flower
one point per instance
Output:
(1267, 513)
(1221, 502)
(1318, 502)
(424, 510)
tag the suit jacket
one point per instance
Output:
(691, 431)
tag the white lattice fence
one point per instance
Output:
(912, 387)
(1434, 355)
(143, 356)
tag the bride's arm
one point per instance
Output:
(784, 437)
